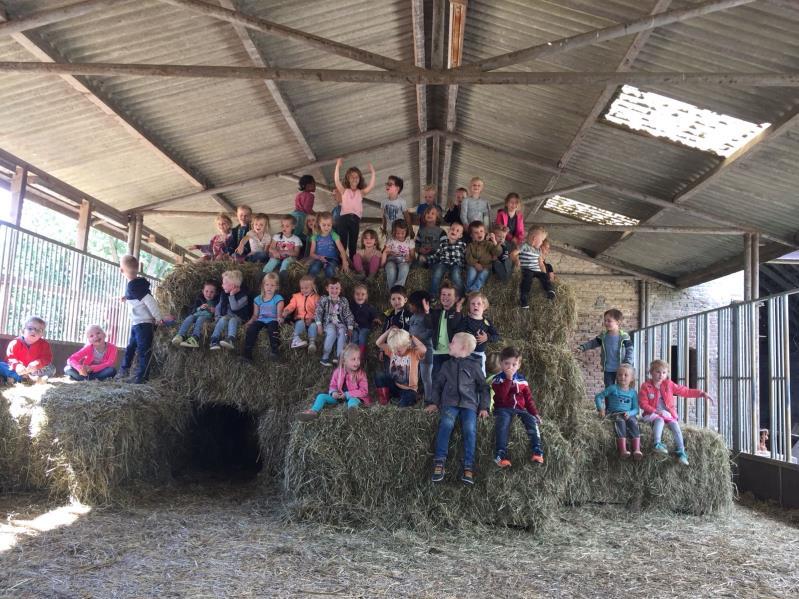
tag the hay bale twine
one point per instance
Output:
(704, 487)
(374, 470)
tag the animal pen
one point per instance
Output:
(655, 141)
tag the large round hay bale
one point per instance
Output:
(704, 487)
(374, 470)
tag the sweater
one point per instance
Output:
(530, 257)
(142, 306)
(649, 394)
(513, 393)
(474, 326)
(303, 202)
(357, 383)
(19, 352)
(615, 400)
(428, 239)
(473, 209)
(303, 306)
(329, 311)
(482, 252)
(85, 357)
(517, 235)
(364, 315)
(460, 383)
(237, 304)
(200, 301)
(625, 348)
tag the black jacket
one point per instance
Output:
(244, 312)
(453, 317)
(461, 383)
(474, 326)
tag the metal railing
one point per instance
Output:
(722, 351)
(67, 287)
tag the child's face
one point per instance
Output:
(457, 349)
(478, 233)
(369, 242)
(611, 324)
(624, 378)
(96, 336)
(510, 366)
(430, 218)
(310, 222)
(244, 215)
(476, 187)
(32, 332)
(429, 196)
(259, 226)
(229, 286)
(223, 227)
(310, 186)
(287, 227)
(545, 249)
(353, 361)
(476, 307)
(325, 225)
(459, 195)
(209, 292)
(392, 191)
(536, 238)
(334, 290)
(353, 179)
(455, 233)
(447, 297)
(360, 295)
(659, 374)
(398, 301)
(306, 287)
(400, 234)
(268, 287)
(512, 205)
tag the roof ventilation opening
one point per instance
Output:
(587, 212)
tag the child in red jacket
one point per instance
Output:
(656, 399)
(29, 355)
(512, 397)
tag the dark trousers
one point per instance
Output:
(251, 336)
(141, 340)
(527, 283)
(609, 378)
(627, 427)
(407, 397)
(438, 362)
(347, 228)
(105, 373)
(503, 417)
(503, 269)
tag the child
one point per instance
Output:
(394, 206)
(474, 207)
(545, 247)
(453, 214)
(401, 375)
(333, 316)
(620, 402)
(480, 255)
(258, 239)
(419, 303)
(659, 408)
(616, 344)
(398, 315)
(366, 262)
(449, 258)
(430, 235)
(29, 357)
(144, 315)
(478, 325)
(460, 392)
(327, 252)
(444, 322)
(352, 190)
(267, 313)
(348, 384)
(201, 312)
(233, 309)
(512, 219)
(512, 397)
(532, 265)
(365, 316)
(502, 267)
(303, 203)
(397, 254)
(285, 246)
(217, 247)
(239, 232)
(303, 305)
(309, 230)
(95, 361)
(429, 194)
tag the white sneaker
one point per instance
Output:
(297, 342)
(312, 347)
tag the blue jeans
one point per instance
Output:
(141, 340)
(273, 263)
(8, 372)
(609, 378)
(454, 273)
(334, 333)
(317, 266)
(476, 279)
(257, 257)
(407, 397)
(324, 399)
(229, 323)
(468, 418)
(396, 273)
(106, 373)
(502, 421)
(362, 336)
(300, 328)
(194, 322)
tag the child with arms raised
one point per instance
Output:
(201, 312)
(233, 309)
(334, 317)
(460, 392)
(267, 313)
(616, 345)
(303, 305)
(96, 360)
(401, 375)
(352, 190)
(327, 252)
(348, 384)
(144, 315)
(397, 254)
(619, 402)
(29, 357)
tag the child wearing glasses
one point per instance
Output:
(394, 206)
(29, 355)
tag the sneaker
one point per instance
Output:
(123, 374)
(438, 473)
(682, 457)
(334, 360)
(525, 306)
(312, 347)
(307, 416)
(297, 342)
(177, 340)
(502, 462)
(550, 294)
(660, 448)
(228, 343)
(468, 477)
(325, 362)
(537, 458)
(214, 345)
(191, 342)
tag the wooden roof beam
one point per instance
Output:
(727, 266)
(53, 15)
(417, 22)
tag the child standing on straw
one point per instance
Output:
(352, 190)
(660, 409)
(532, 265)
(620, 403)
(96, 360)
(201, 312)
(348, 384)
(29, 357)
(459, 392)
(144, 315)
(616, 346)
(267, 313)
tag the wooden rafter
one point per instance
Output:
(53, 15)
(417, 22)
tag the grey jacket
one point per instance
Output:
(461, 383)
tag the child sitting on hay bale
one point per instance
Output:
(512, 397)
(201, 312)
(659, 407)
(267, 313)
(348, 384)
(327, 252)
(480, 255)
(303, 305)
(460, 392)
(366, 317)
(217, 247)
(532, 264)
(144, 315)
(28, 356)
(478, 325)
(285, 246)
(620, 403)
(449, 259)
(616, 345)
(96, 360)
(233, 309)
(334, 317)
(401, 376)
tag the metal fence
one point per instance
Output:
(740, 354)
(68, 288)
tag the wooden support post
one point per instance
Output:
(19, 186)
(137, 233)
(84, 225)
(435, 168)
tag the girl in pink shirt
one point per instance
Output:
(95, 361)
(352, 190)
(347, 385)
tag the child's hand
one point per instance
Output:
(337, 395)
(345, 267)
(83, 371)
(482, 414)
(601, 413)
(459, 305)
(481, 337)
(21, 370)
(159, 322)
(426, 306)
(431, 409)
(478, 267)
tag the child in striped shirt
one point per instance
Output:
(533, 266)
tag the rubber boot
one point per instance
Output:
(621, 444)
(363, 354)
(637, 455)
(383, 395)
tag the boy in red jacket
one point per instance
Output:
(656, 399)
(512, 397)
(29, 355)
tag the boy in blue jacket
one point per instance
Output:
(620, 403)
(616, 346)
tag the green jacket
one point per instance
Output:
(625, 347)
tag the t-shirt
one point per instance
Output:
(267, 309)
(352, 202)
(403, 370)
(399, 251)
(429, 238)
(285, 245)
(394, 210)
(326, 244)
(303, 202)
(612, 352)
(258, 245)
(528, 257)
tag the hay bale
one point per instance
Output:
(374, 470)
(704, 487)
(17, 414)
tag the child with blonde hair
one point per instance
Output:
(401, 375)
(308, 231)
(532, 265)
(619, 402)
(429, 193)
(477, 324)
(29, 357)
(285, 246)
(474, 207)
(429, 237)
(255, 244)
(217, 247)
(96, 360)
(239, 232)
(397, 254)
(233, 309)
(303, 305)
(327, 251)
(267, 313)
(352, 190)
(348, 384)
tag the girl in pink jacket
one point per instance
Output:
(348, 384)
(95, 361)
(656, 399)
